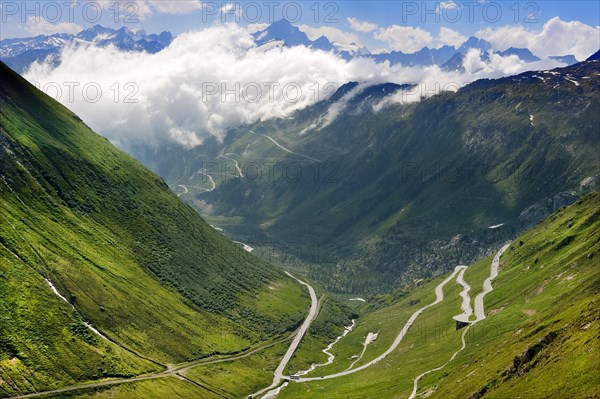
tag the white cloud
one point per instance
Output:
(557, 37)
(231, 9)
(447, 5)
(175, 99)
(404, 38)
(132, 10)
(380, 50)
(40, 26)
(331, 33)
(433, 79)
(361, 26)
(450, 37)
(128, 10)
(175, 88)
(339, 106)
(176, 6)
(257, 27)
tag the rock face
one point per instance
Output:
(520, 363)
(544, 208)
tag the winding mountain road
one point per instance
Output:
(184, 187)
(283, 148)
(212, 181)
(237, 165)
(487, 285)
(278, 376)
(466, 307)
(466, 304)
(439, 293)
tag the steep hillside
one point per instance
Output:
(539, 338)
(383, 195)
(88, 235)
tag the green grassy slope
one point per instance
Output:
(538, 341)
(169, 387)
(547, 302)
(138, 264)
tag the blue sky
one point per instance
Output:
(378, 25)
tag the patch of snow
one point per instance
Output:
(576, 83)
(357, 299)
(53, 288)
(87, 324)
(247, 247)
(371, 337)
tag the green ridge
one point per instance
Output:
(141, 266)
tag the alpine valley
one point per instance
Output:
(380, 243)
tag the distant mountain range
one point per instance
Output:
(283, 34)
(20, 53)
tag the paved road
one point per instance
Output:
(278, 376)
(184, 187)
(237, 165)
(466, 307)
(312, 314)
(487, 285)
(439, 292)
(466, 304)
(211, 181)
(283, 148)
(416, 381)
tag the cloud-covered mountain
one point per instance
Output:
(423, 57)
(20, 53)
(176, 104)
(283, 33)
(523, 54)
